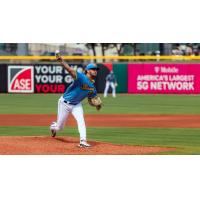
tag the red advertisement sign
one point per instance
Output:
(20, 79)
(164, 78)
(53, 78)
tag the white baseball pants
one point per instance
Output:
(64, 109)
(108, 84)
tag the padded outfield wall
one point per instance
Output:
(164, 78)
(135, 78)
(3, 79)
(47, 78)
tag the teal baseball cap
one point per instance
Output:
(91, 66)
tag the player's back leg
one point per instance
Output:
(63, 113)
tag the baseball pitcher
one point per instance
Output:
(70, 101)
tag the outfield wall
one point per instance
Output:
(164, 78)
(3, 79)
(135, 78)
(44, 78)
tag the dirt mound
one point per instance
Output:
(46, 145)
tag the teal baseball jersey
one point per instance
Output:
(80, 88)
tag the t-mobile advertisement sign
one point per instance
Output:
(52, 78)
(164, 78)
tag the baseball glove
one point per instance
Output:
(96, 102)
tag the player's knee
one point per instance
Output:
(81, 123)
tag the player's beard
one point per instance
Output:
(92, 75)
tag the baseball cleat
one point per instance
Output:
(84, 144)
(52, 129)
(53, 133)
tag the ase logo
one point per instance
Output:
(20, 79)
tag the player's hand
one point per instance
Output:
(58, 56)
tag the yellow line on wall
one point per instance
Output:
(101, 57)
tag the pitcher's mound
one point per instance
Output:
(46, 145)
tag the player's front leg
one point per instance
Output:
(77, 112)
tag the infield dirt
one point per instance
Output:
(45, 145)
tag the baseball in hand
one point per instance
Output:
(57, 52)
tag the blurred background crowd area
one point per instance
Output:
(100, 49)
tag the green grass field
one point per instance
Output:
(187, 141)
(133, 104)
